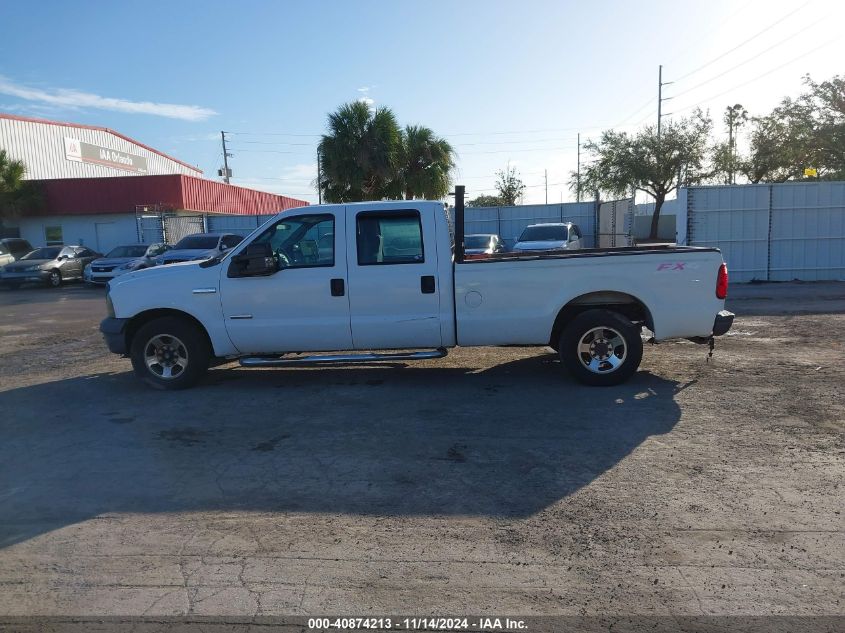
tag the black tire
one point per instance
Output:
(55, 279)
(585, 328)
(186, 339)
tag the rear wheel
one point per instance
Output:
(170, 353)
(55, 279)
(601, 348)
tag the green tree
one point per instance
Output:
(359, 154)
(15, 192)
(486, 201)
(808, 131)
(510, 186)
(656, 165)
(425, 164)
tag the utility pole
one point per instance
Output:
(578, 172)
(319, 188)
(225, 158)
(546, 175)
(660, 99)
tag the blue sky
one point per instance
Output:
(503, 81)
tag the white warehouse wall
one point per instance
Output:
(102, 232)
(42, 148)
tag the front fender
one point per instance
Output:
(184, 288)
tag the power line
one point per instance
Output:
(276, 143)
(752, 58)
(559, 129)
(744, 42)
(536, 140)
(635, 112)
(765, 74)
(274, 134)
(530, 149)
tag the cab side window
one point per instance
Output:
(302, 241)
(389, 238)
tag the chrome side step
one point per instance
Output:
(327, 359)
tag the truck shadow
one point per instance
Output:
(506, 441)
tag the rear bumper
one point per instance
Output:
(114, 333)
(724, 321)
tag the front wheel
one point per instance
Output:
(601, 348)
(170, 353)
(55, 279)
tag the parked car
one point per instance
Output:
(480, 245)
(12, 249)
(552, 236)
(388, 281)
(123, 259)
(51, 265)
(199, 246)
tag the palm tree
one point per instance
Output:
(359, 154)
(11, 183)
(425, 164)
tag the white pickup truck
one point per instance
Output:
(353, 278)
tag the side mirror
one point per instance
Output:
(254, 261)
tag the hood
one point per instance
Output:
(112, 261)
(545, 245)
(177, 268)
(23, 264)
(187, 253)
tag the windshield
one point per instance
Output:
(135, 250)
(203, 242)
(477, 241)
(44, 253)
(544, 234)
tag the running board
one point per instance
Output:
(327, 359)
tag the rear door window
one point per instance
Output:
(389, 238)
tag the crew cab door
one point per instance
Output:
(394, 296)
(303, 305)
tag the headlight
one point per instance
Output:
(109, 304)
(87, 268)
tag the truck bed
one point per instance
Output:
(515, 299)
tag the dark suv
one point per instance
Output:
(12, 249)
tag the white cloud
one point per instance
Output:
(368, 101)
(70, 98)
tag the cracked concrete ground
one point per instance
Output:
(486, 482)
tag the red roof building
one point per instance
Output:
(177, 192)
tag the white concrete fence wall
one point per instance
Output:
(772, 232)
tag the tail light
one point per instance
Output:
(722, 282)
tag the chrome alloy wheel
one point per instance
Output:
(602, 350)
(166, 356)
